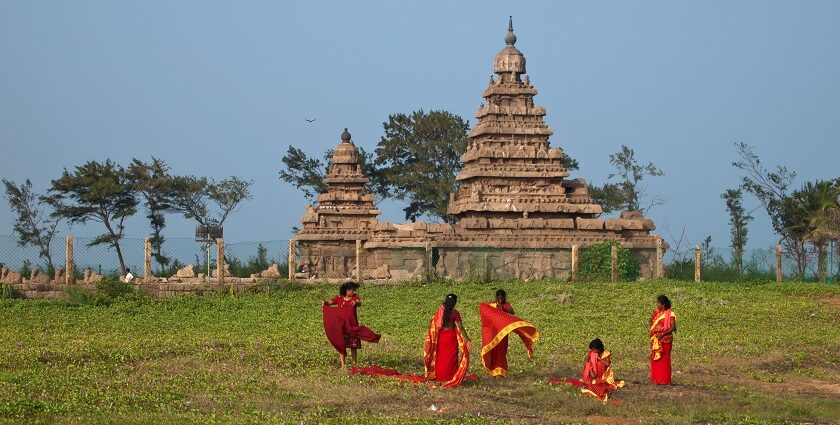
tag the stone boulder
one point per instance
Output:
(185, 272)
(9, 276)
(90, 276)
(272, 272)
(38, 277)
(59, 276)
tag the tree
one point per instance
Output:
(627, 194)
(100, 192)
(307, 174)
(771, 188)
(154, 183)
(33, 226)
(738, 220)
(809, 214)
(192, 195)
(418, 159)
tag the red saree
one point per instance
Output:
(341, 327)
(440, 352)
(597, 379)
(660, 348)
(496, 324)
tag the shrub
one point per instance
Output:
(596, 263)
(109, 290)
(6, 291)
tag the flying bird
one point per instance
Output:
(310, 120)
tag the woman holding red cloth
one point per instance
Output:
(663, 324)
(445, 337)
(597, 372)
(349, 322)
(497, 321)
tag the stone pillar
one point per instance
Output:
(697, 261)
(147, 261)
(574, 263)
(358, 260)
(428, 261)
(614, 263)
(292, 260)
(778, 263)
(660, 269)
(69, 275)
(220, 261)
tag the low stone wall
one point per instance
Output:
(51, 291)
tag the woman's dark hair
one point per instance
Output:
(500, 293)
(448, 306)
(596, 344)
(342, 290)
(664, 301)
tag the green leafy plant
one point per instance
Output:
(596, 263)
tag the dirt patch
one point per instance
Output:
(594, 419)
(834, 301)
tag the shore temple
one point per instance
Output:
(518, 212)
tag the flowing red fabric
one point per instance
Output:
(440, 357)
(340, 325)
(597, 379)
(660, 348)
(496, 324)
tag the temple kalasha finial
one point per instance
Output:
(510, 38)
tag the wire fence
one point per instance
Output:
(242, 258)
(270, 259)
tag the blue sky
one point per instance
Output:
(223, 88)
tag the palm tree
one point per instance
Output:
(823, 220)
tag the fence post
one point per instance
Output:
(69, 275)
(220, 261)
(697, 260)
(660, 269)
(147, 261)
(428, 261)
(292, 260)
(778, 263)
(358, 260)
(614, 263)
(574, 263)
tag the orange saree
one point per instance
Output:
(597, 379)
(496, 324)
(660, 348)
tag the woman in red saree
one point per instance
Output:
(663, 324)
(445, 337)
(351, 330)
(597, 372)
(497, 321)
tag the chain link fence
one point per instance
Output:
(242, 258)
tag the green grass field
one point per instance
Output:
(743, 353)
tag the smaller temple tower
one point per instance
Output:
(345, 213)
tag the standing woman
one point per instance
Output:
(663, 324)
(444, 338)
(348, 299)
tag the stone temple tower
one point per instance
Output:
(345, 213)
(510, 172)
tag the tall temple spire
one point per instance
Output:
(510, 38)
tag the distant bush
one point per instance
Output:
(6, 291)
(596, 263)
(107, 292)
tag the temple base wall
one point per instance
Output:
(337, 260)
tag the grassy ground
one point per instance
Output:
(745, 353)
